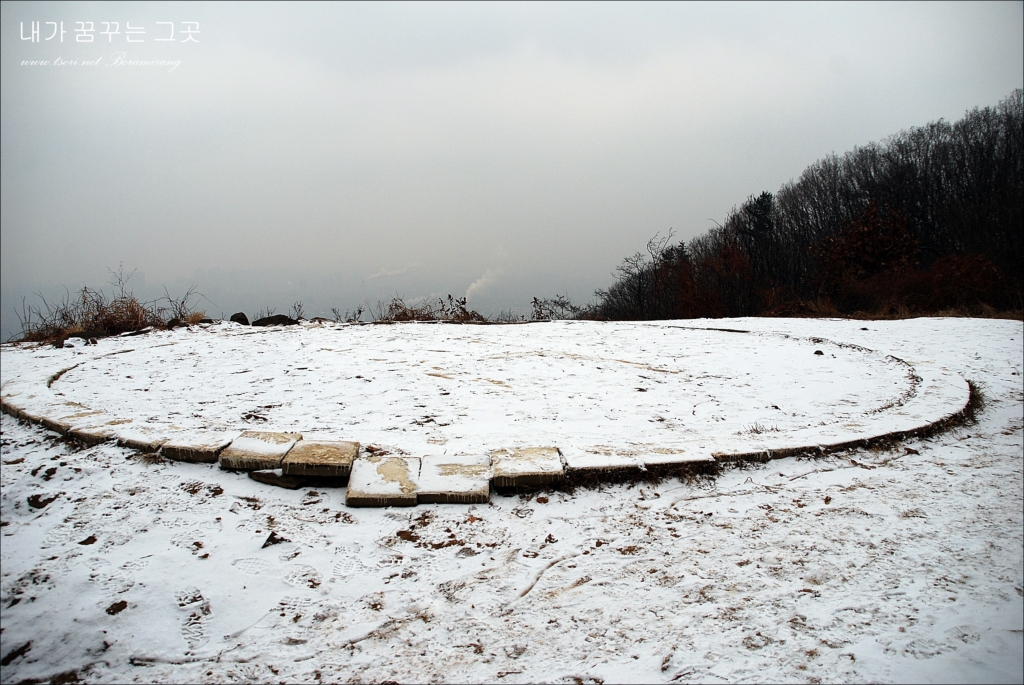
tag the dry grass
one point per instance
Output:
(91, 313)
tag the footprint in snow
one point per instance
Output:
(114, 582)
(346, 567)
(191, 542)
(391, 561)
(294, 607)
(135, 564)
(60, 535)
(302, 575)
(193, 628)
(348, 561)
(252, 566)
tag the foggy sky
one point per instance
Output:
(337, 154)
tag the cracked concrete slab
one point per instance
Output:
(322, 458)
(258, 450)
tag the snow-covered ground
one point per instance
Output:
(609, 395)
(895, 564)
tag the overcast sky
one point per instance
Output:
(341, 153)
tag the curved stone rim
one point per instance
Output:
(916, 413)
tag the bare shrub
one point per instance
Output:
(508, 316)
(90, 313)
(558, 307)
(454, 309)
(181, 308)
(348, 316)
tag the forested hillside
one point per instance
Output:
(927, 221)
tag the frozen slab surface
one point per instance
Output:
(200, 446)
(255, 450)
(599, 458)
(97, 428)
(526, 467)
(387, 481)
(62, 417)
(894, 564)
(331, 458)
(462, 479)
(141, 437)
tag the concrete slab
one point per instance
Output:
(386, 481)
(33, 414)
(9, 405)
(600, 459)
(196, 446)
(464, 479)
(526, 467)
(258, 450)
(61, 417)
(674, 456)
(141, 437)
(276, 477)
(320, 458)
(97, 429)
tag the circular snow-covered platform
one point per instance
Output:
(606, 395)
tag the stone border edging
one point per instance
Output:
(505, 468)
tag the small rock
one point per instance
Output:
(274, 539)
(117, 607)
(174, 323)
(240, 317)
(819, 352)
(40, 501)
(275, 320)
(205, 320)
